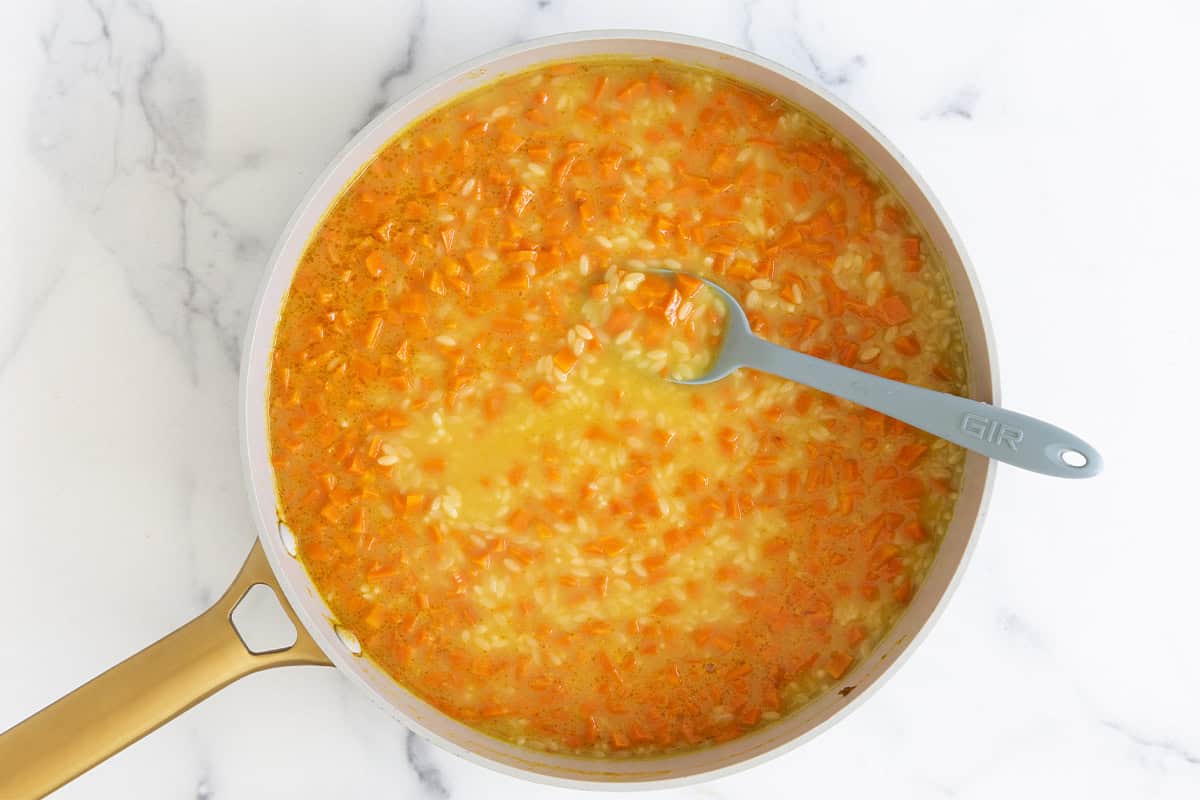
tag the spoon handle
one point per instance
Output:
(996, 433)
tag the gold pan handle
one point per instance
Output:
(115, 709)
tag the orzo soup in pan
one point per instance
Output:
(490, 480)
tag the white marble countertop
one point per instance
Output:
(151, 150)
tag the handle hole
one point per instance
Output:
(289, 540)
(348, 640)
(1073, 458)
(261, 622)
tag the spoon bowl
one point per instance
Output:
(738, 342)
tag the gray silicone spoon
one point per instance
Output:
(996, 433)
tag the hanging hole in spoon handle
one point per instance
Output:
(1081, 462)
(1073, 458)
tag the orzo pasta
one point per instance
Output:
(498, 494)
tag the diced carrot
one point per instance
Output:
(674, 540)
(631, 91)
(619, 320)
(374, 264)
(375, 617)
(521, 199)
(910, 454)
(477, 262)
(894, 310)
(519, 255)
(670, 306)
(908, 487)
(437, 284)
(606, 546)
(587, 212)
(666, 608)
(374, 328)
(906, 345)
(509, 142)
(381, 572)
(412, 303)
(914, 532)
(493, 404)
(515, 279)
(837, 664)
(562, 169)
(565, 360)
(809, 327)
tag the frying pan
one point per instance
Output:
(138, 695)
